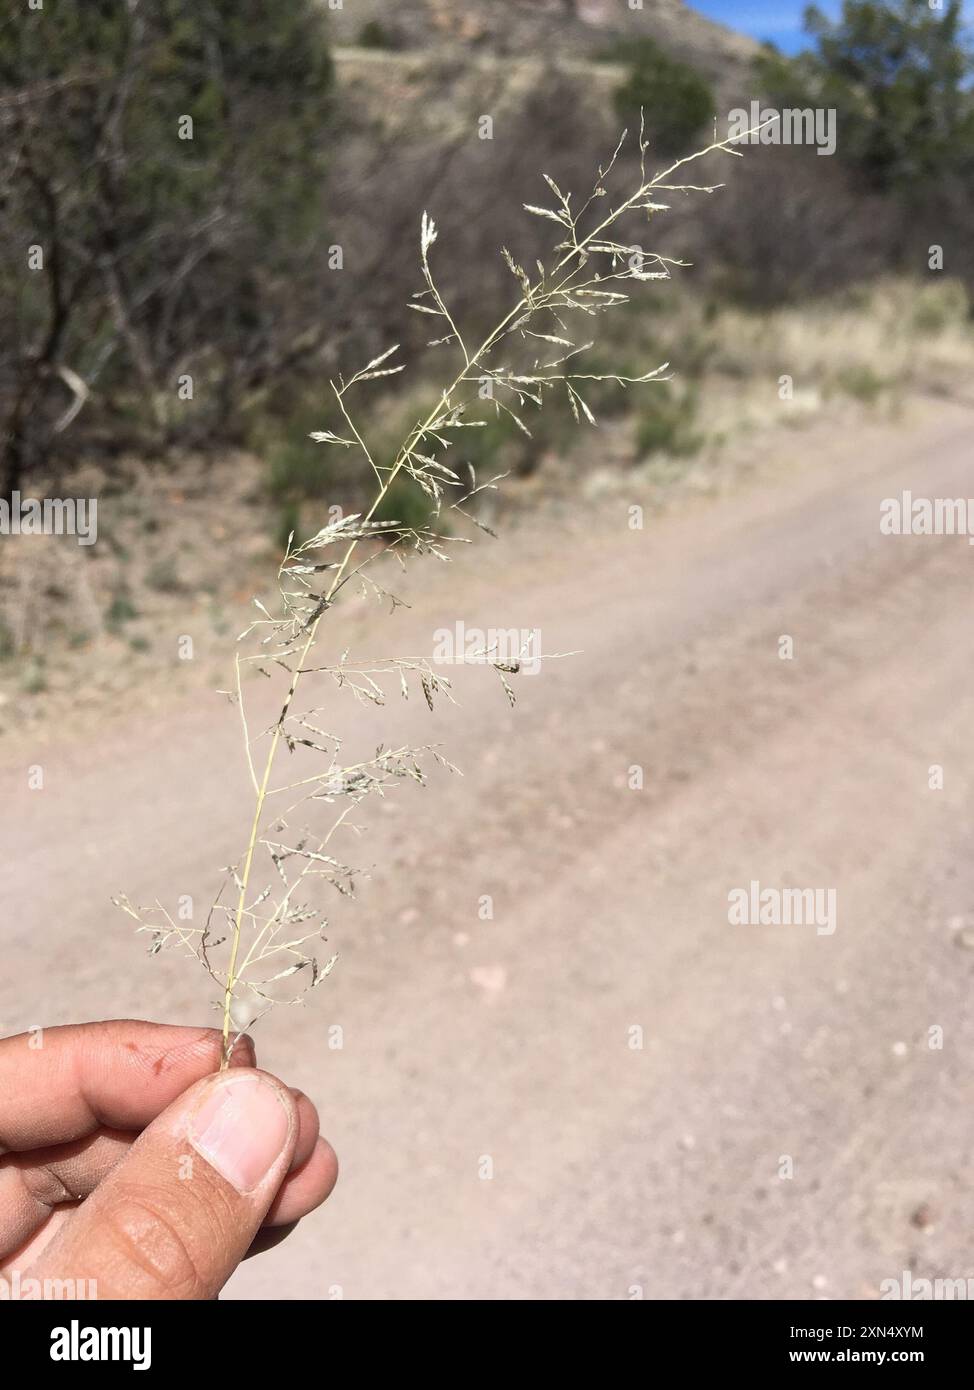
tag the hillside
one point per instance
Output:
(573, 29)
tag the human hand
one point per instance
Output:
(127, 1159)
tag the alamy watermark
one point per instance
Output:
(907, 515)
(912, 1290)
(50, 516)
(77, 1343)
(791, 126)
(775, 907)
(509, 648)
(20, 1288)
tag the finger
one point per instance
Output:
(305, 1188)
(307, 1131)
(174, 1219)
(32, 1186)
(119, 1075)
(26, 1254)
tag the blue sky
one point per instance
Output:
(778, 20)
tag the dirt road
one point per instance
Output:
(615, 1168)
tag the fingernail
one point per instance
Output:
(241, 1129)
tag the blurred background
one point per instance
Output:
(549, 1065)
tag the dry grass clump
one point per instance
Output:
(901, 331)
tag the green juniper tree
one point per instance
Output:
(898, 76)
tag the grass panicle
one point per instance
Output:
(260, 942)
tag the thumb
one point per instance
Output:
(177, 1216)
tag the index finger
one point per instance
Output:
(64, 1083)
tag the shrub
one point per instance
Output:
(374, 35)
(33, 680)
(121, 610)
(8, 644)
(666, 425)
(940, 304)
(898, 75)
(405, 504)
(168, 247)
(163, 576)
(676, 99)
(298, 471)
(862, 383)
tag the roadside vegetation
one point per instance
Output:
(193, 294)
